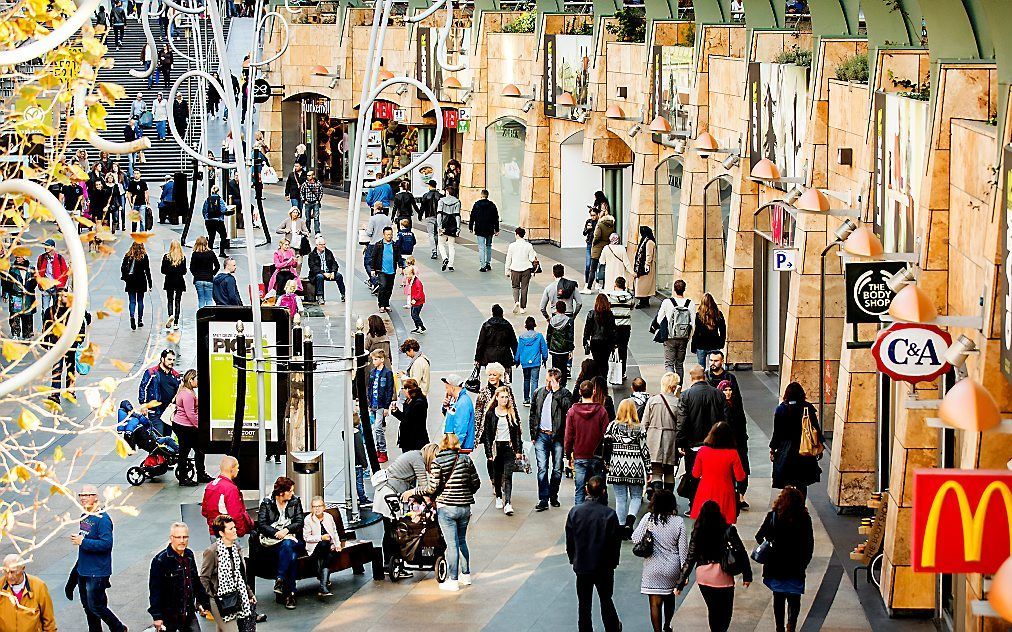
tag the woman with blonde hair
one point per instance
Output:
(496, 376)
(659, 423)
(294, 229)
(135, 271)
(174, 271)
(710, 332)
(286, 262)
(625, 452)
(184, 424)
(503, 443)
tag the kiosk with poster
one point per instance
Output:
(431, 169)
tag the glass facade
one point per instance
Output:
(667, 198)
(504, 162)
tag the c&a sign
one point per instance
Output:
(912, 352)
(962, 520)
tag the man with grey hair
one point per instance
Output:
(322, 268)
(94, 561)
(25, 603)
(175, 592)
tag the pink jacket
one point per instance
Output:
(186, 408)
(284, 261)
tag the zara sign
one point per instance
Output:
(912, 352)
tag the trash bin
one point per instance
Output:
(306, 469)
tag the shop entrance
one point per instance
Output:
(774, 230)
(579, 181)
(505, 139)
(617, 187)
(667, 199)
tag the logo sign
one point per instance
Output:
(1005, 274)
(261, 91)
(784, 260)
(315, 106)
(463, 127)
(911, 352)
(400, 115)
(868, 293)
(962, 520)
(464, 114)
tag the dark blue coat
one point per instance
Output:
(94, 556)
(166, 588)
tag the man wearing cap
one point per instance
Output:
(459, 412)
(427, 212)
(51, 265)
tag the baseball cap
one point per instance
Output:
(49, 243)
(453, 380)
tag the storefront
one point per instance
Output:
(306, 121)
(667, 199)
(774, 231)
(505, 139)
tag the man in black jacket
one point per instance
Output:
(175, 592)
(118, 20)
(293, 185)
(181, 114)
(224, 289)
(484, 224)
(386, 258)
(322, 268)
(699, 408)
(427, 212)
(549, 405)
(404, 204)
(497, 342)
(593, 543)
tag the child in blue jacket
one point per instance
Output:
(380, 393)
(531, 355)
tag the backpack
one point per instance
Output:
(565, 289)
(681, 328)
(449, 224)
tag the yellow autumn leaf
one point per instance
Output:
(114, 304)
(45, 283)
(122, 449)
(173, 337)
(108, 384)
(22, 473)
(77, 173)
(78, 128)
(111, 92)
(55, 490)
(5, 265)
(141, 238)
(96, 116)
(112, 492)
(84, 221)
(101, 314)
(13, 351)
(21, 251)
(121, 365)
(58, 328)
(51, 405)
(58, 454)
(70, 397)
(130, 510)
(28, 420)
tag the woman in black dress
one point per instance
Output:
(174, 271)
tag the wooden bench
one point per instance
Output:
(308, 292)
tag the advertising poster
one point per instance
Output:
(431, 169)
(220, 387)
(778, 113)
(673, 72)
(567, 69)
(427, 71)
(904, 144)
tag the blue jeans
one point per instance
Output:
(416, 316)
(586, 267)
(360, 484)
(583, 471)
(628, 499)
(547, 446)
(319, 280)
(453, 523)
(205, 293)
(96, 604)
(531, 375)
(288, 552)
(313, 216)
(162, 128)
(484, 251)
(136, 304)
(131, 158)
(379, 428)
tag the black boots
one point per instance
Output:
(627, 528)
(133, 323)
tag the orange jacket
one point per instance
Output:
(34, 613)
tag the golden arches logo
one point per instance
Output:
(972, 522)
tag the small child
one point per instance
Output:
(417, 297)
(409, 261)
(361, 462)
(405, 238)
(418, 508)
(291, 300)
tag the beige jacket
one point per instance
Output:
(419, 372)
(312, 530)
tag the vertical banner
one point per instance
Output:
(656, 81)
(754, 115)
(549, 80)
(1005, 266)
(878, 175)
(425, 68)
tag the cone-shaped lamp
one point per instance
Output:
(765, 169)
(970, 407)
(863, 242)
(660, 125)
(614, 112)
(452, 83)
(385, 74)
(912, 305)
(1000, 593)
(320, 71)
(813, 200)
(510, 90)
(706, 142)
(566, 99)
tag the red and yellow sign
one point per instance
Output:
(962, 520)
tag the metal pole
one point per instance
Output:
(240, 363)
(307, 371)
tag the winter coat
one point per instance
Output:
(490, 429)
(497, 342)
(32, 613)
(158, 386)
(377, 256)
(94, 555)
(561, 334)
(430, 204)
(293, 184)
(460, 421)
(700, 407)
(269, 514)
(166, 588)
(461, 479)
(602, 234)
(223, 497)
(616, 264)
(645, 284)
(532, 349)
(585, 426)
(484, 220)
(789, 467)
(60, 270)
(316, 262)
(224, 290)
(380, 388)
(203, 266)
(793, 544)
(448, 206)
(136, 274)
(412, 433)
(175, 274)
(484, 400)
(404, 205)
(600, 328)
(626, 454)
(706, 338)
(660, 426)
(593, 537)
(417, 292)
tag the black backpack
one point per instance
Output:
(565, 289)
(449, 224)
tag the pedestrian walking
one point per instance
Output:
(700, 406)
(27, 604)
(214, 212)
(223, 494)
(412, 433)
(311, 194)
(323, 541)
(223, 576)
(160, 112)
(561, 289)
(203, 266)
(593, 544)
(622, 303)
(599, 334)
(137, 196)
(386, 260)
(484, 224)
(213, 98)
(788, 531)
(790, 466)
(497, 341)
(380, 389)
(503, 444)
(224, 289)
(94, 544)
(643, 268)
(323, 267)
(718, 469)
(709, 333)
(184, 425)
(588, 235)
(405, 238)
(603, 231)
(404, 205)
(628, 463)
(419, 367)
(131, 132)
(734, 414)
(175, 592)
(280, 520)
(378, 222)
(118, 20)
(293, 185)
(458, 410)
(18, 287)
(293, 228)
(668, 551)
(448, 220)
(416, 294)
(531, 355)
(711, 542)
(586, 422)
(383, 193)
(181, 114)
(660, 423)
(428, 211)
(158, 387)
(135, 272)
(165, 65)
(53, 266)
(615, 261)
(59, 312)
(521, 261)
(485, 399)
(174, 271)
(672, 326)
(639, 395)
(561, 340)
(549, 406)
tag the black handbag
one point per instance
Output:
(473, 383)
(729, 562)
(762, 553)
(687, 485)
(645, 547)
(229, 603)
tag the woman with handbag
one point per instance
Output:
(628, 463)
(661, 539)
(323, 541)
(223, 574)
(615, 261)
(503, 443)
(797, 442)
(786, 543)
(659, 423)
(599, 334)
(295, 230)
(174, 271)
(412, 433)
(280, 521)
(718, 468)
(644, 271)
(495, 374)
(717, 554)
(135, 271)
(709, 333)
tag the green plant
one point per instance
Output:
(794, 55)
(853, 68)
(524, 23)
(920, 92)
(578, 26)
(630, 25)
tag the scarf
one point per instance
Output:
(640, 263)
(230, 577)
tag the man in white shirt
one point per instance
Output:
(374, 231)
(676, 315)
(520, 258)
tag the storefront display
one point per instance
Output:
(567, 70)
(504, 159)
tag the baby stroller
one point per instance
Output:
(414, 541)
(163, 452)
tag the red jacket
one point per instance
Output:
(222, 493)
(585, 426)
(417, 293)
(61, 270)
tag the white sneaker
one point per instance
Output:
(450, 585)
(508, 509)
(465, 579)
(516, 307)
(498, 503)
(586, 290)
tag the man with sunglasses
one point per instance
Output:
(94, 561)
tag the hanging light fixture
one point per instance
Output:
(660, 125)
(765, 169)
(813, 200)
(969, 406)
(913, 305)
(452, 83)
(705, 142)
(385, 75)
(614, 112)
(566, 99)
(510, 90)
(320, 71)
(863, 242)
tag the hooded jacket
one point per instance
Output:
(497, 342)
(448, 205)
(224, 290)
(532, 349)
(602, 233)
(585, 426)
(561, 334)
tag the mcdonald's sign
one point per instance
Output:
(962, 520)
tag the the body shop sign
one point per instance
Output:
(911, 352)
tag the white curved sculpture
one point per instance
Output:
(59, 35)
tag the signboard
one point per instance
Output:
(464, 114)
(431, 169)
(1005, 267)
(912, 352)
(426, 70)
(463, 127)
(962, 520)
(868, 293)
(400, 115)
(878, 184)
(784, 260)
(262, 91)
(778, 115)
(671, 81)
(567, 69)
(316, 106)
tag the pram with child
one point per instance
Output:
(162, 452)
(412, 539)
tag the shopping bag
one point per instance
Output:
(810, 444)
(268, 175)
(614, 368)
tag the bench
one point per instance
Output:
(308, 292)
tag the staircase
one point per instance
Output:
(165, 156)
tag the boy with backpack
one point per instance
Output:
(672, 327)
(561, 341)
(406, 238)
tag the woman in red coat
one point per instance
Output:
(718, 467)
